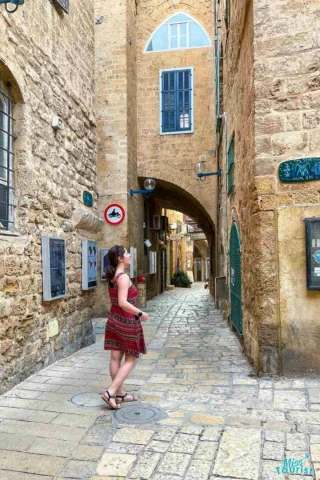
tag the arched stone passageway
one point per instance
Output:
(172, 196)
(168, 195)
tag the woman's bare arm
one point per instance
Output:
(123, 287)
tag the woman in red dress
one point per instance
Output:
(124, 333)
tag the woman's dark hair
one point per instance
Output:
(113, 257)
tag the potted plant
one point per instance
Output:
(181, 279)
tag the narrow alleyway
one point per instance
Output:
(202, 413)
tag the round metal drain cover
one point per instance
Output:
(139, 414)
(89, 399)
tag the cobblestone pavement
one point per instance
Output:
(217, 419)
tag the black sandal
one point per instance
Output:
(108, 401)
(134, 398)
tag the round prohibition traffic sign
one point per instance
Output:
(114, 214)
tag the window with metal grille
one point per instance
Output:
(231, 166)
(176, 101)
(6, 158)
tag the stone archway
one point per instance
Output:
(169, 195)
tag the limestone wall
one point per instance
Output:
(172, 157)
(116, 106)
(287, 90)
(47, 56)
(238, 105)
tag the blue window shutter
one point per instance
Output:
(176, 101)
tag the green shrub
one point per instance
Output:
(181, 279)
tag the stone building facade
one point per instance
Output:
(46, 66)
(269, 94)
(113, 80)
(131, 145)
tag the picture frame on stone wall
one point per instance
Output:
(89, 264)
(54, 274)
(312, 228)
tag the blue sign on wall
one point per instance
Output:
(87, 198)
(301, 170)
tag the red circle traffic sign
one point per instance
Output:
(114, 214)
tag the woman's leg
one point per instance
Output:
(122, 374)
(115, 362)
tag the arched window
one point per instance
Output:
(178, 32)
(6, 172)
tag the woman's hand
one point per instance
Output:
(144, 317)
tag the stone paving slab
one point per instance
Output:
(222, 422)
(239, 453)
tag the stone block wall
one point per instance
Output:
(287, 91)
(48, 58)
(238, 120)
(116, 107)
(172, 157)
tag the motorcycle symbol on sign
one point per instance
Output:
(114, 214)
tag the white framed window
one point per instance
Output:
(178, 32)
(6, 158)
(176, 101)
(178, 35)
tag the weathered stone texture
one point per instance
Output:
(271, 94)
(238, 103)
(286, 63)
(130, 147)
(171, 158)
(48, 58)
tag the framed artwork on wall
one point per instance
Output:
(53, 267)
(89, 264)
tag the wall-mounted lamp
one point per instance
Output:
(149, 185)
(16, 4)
(200, 169)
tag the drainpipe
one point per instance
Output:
(225, 142)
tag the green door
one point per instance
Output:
(235, 279)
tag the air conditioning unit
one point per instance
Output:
(156, 222)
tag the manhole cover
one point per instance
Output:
(90, 399)
(139, 414)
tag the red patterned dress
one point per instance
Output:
(123, 331)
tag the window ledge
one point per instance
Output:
(7, 233)
(177, 133)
